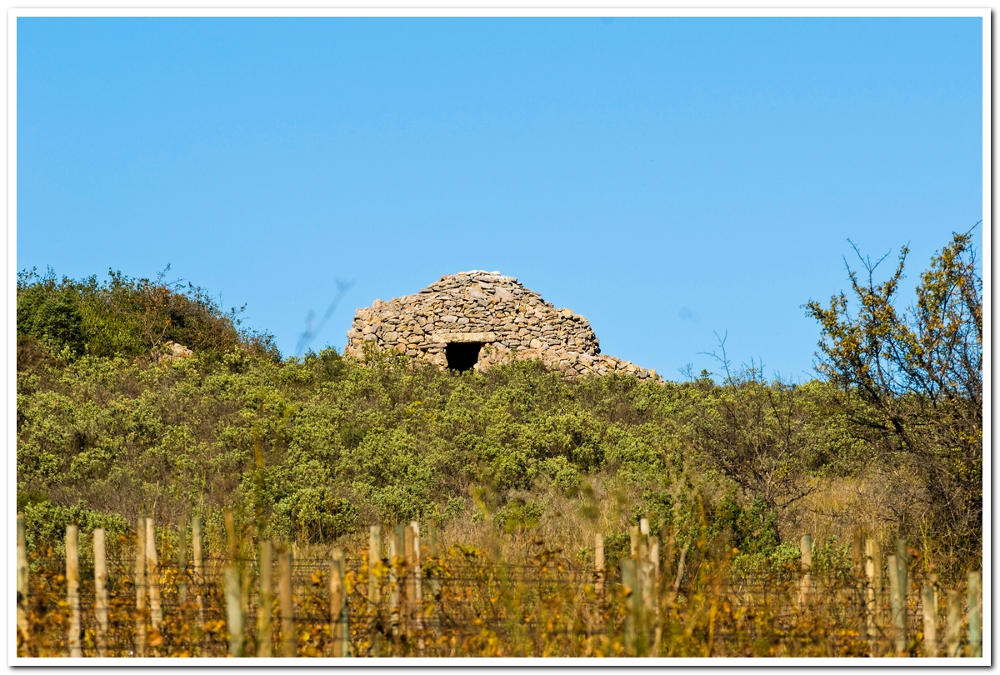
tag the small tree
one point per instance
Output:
(917, 374)
(752, 431)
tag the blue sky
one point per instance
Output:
(666, 178)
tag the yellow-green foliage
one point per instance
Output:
(498, 599)
(318, 448)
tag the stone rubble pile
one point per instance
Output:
(172, 351)
(509, 320)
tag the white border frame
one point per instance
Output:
(412, 9)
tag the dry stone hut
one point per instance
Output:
(472, 320)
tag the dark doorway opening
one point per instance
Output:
(462, 355)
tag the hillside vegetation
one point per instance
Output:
(315, 449)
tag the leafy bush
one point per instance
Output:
(782, 562)
(125, 316)
(45, 525)
(518, 515)
(319, 448)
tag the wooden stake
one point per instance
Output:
(415, 596)
(435, 584)
(235, 619)
(654, 557)
(644, 568)
(265, 604)
(903, 563)
(198, 578)
(406, 600)
(953, 634)
(634, 535)
(894, 604)
(338, 606)
(22, 586)
(375, 569)
(930, 622)
(100, 593)
(858, 553)
(181, 565)
(873, 570)
(898, 565)
(633, 603)
(153, 576)
(975, 604)
(232, 540)
(654, 593)
(805, 584)
(396, 575)
(289, 643)
(73, 590)
(374, 562)
(140, 588)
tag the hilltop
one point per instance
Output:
(110, 426)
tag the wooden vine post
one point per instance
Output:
(396, 575)
(953, 634)
(265, 603)
(873, 571)
(375, 571)
(232, 582)
(22, 586)
(975, 605)
(73, 590)
(100, 592)
(235, 620)
(415, 591)
(633, 605)
(644, 568)
(153, 577)
(898, 565)
(654, 594)
(434, 582)
(140, 588)
(637, 574)
(930, 621)
(182, 589)
(338, 606)
(288, 640)
(196, 562)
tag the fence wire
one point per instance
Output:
(468, 608)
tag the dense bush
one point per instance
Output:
(125, 316)
(323, 446)
(318, 448)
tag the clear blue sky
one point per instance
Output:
(666, 178)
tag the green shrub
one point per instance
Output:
(832, 562)
(45, 526)
(314, 515)
(781, 563)
(517, 515)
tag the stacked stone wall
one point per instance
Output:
(511, 322)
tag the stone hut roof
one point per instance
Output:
(472, 320)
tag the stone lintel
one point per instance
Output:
(463, 337)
